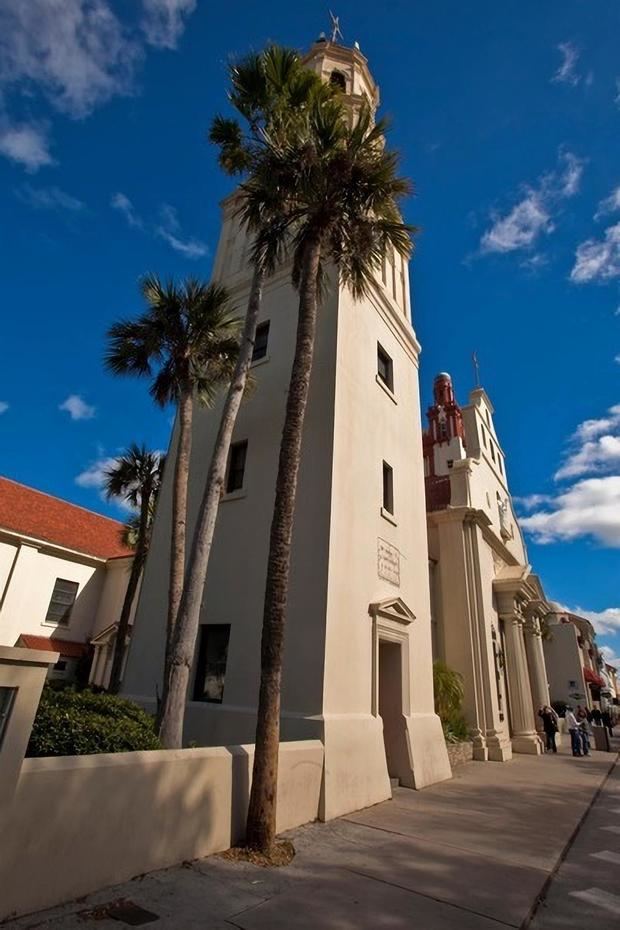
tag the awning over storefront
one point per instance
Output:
(592, 678)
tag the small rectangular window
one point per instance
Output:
(388, 488)
(260, 341)
(236, 466)
(7, 698)
(62, 601)
(385, 367)
(211, 665)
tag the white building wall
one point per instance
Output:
(112, 596)
(28, 592)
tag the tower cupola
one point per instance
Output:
(346, 68)
(444, 440)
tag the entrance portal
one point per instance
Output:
(391, 710)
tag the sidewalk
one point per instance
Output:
(474, 853)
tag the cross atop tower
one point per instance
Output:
(336, 31)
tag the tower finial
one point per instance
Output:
(336, 31)
(476, 364)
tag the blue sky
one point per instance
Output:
(507, 116)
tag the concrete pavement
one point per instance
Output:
(585, 891)
(475, 853)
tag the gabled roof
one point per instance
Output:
(40, 516)
(66, 647)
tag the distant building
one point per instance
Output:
(63, 577)
(576, 668)
(612, 675)
(487, 605)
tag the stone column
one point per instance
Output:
(537, 669)
(524, 736)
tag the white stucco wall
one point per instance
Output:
(564, 663)
(112, 594)
(157, 809)
(29, 589)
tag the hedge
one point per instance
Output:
(76, 723)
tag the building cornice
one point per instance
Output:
(51, 548)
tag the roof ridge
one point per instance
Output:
(62, 500)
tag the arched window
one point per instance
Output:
(340, 81)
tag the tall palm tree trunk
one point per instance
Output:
(261, 823)
(179, 525)
(116, 672)
(188, 619)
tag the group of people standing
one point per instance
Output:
(578, 724)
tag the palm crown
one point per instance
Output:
(334, 183)
(135, 473)
(188, 336)
(273, 92)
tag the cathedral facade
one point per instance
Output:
(488, 606)
(358, 656)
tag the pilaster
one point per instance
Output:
(537, 668)
(524, 736)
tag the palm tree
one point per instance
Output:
(330, 196)
(187, 342)
(271, 91)
(135, 478)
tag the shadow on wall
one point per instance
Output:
(77, 824)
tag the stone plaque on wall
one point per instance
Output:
(388, 562)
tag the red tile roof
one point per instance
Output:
(65, 647)
(33, 513)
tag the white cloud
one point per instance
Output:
(190, 248)
(535, 262)
(48, 198)
(163, 21)
(566, 73)
(95, 475)
(591, 428)
(589, 508)
(566, 184)
(519, 228)
(617, 97)
(123, 204)
(532, 216)
(594, 447)
(529, 501)
(597, 455)
(26, 144)
(76, 52)
(598, 259)
(608, 653)
(609, 205)
(3, 406)
(590, 505)
(168, 228)
(77, 55)
(77, 408)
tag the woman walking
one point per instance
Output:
(550, 724)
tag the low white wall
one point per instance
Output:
(78, 823)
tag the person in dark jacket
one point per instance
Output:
(551, 726)
(607, 722)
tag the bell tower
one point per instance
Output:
(444, 440)
(347, 69)
(358, 663)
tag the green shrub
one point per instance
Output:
(76, 723)
(449, 693)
